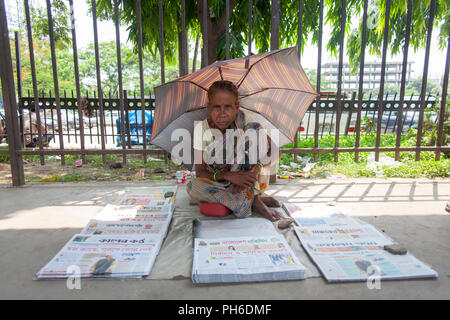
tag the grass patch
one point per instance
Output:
(406, 167)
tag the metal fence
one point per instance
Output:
(132, 105)
(346, 113)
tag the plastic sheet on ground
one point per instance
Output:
(176, 255)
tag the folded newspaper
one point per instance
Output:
(122, 241)
(345, 249)
(242, 250)
(109, 256)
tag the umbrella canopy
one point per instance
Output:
(273, 88)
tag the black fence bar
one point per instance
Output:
(89, 118)
(19, 82)
(161, 40)
(443, 108)
(319, 66)
(18, 64)
(399, 119)
(110, 117)
(205, 33)
(250, 13)
(97, 101)
(120, 80)
(299, 30)
(34, 80)
(55, 79)
(184, 51)
(227, 33)
(141, 78)
(383, 71)
(339, 87)
(425, 76)
(361, 80)
(275, 25)
(127, 118)
(9, 98)
(99, 80)
(299, 46)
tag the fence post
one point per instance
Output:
(19, 83)
(350, 112)
(274, 44)
(9, 98)
(275, 25)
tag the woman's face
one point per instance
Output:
(223, 108)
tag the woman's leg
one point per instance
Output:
(263, 181)
(200, 189)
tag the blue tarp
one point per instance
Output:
(136, 133)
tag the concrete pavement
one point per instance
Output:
(38, 219)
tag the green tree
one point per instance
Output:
(86, 59)
(324, 84)
(414, 87)
(288, 24)
(44, 76)
(130, 69)
(397, 26)
(61, 23)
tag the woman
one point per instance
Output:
(219, 181)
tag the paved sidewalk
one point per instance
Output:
(38, 219)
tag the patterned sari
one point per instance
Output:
(206, 190)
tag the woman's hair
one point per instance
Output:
(223, 85)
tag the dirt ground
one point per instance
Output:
(53, 171)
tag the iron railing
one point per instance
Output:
(353, 108)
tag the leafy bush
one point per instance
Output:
(406, 167)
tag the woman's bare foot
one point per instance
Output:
(271, 202)
(270, 214)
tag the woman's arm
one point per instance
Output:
(240, 178)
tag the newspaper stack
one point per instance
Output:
(122, 241)
(249, 250)
(103, 256)
(345, 249)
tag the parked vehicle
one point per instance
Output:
(136, 132)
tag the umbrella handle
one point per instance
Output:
(247, 162)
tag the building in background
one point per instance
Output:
(372, 73)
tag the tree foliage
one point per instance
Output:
(288, 24)
(261, 21)
(61, 23)
(86, 58)
(397, 27)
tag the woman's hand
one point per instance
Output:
(241, 178)
(256, 168)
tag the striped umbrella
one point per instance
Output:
(273, 88)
